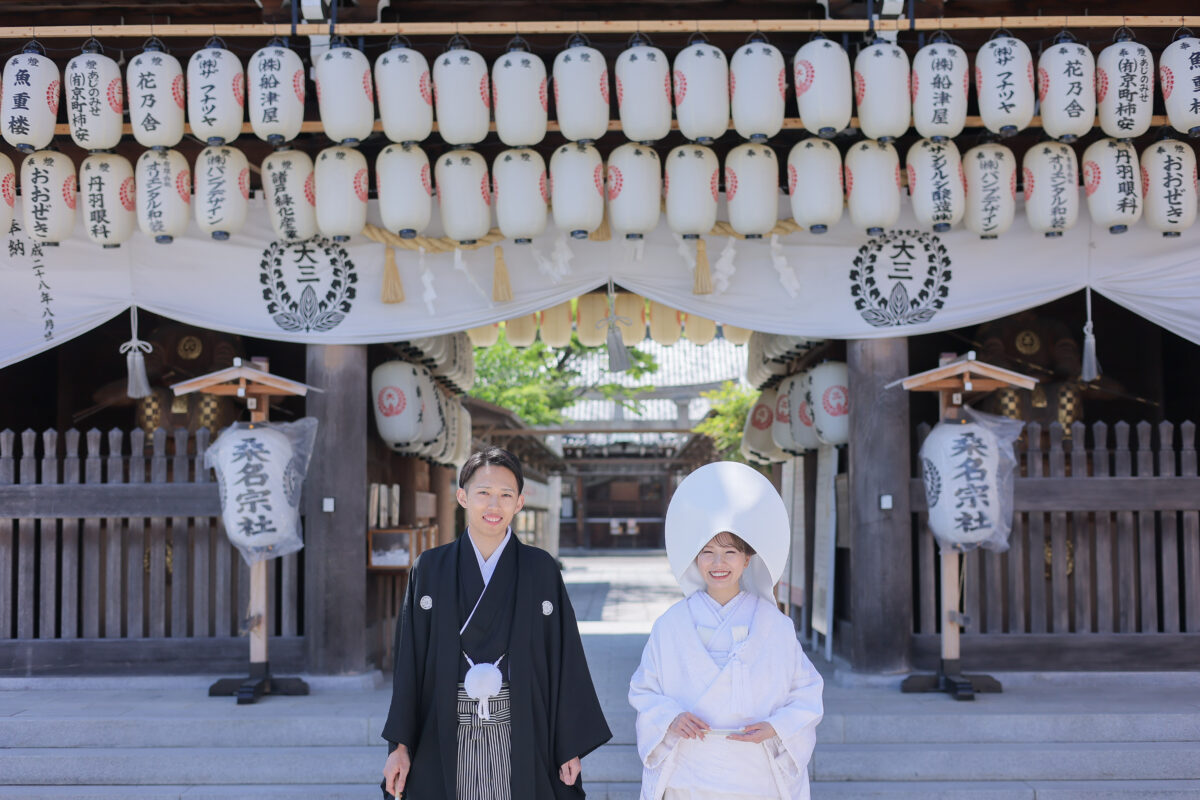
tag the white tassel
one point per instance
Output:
(460, 264)
(724, 268)
(135, 360)
(1090, 368)
(787, 275)
(562, 256)
(430, 294)
(688, 254)
(639, 249)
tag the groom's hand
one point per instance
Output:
(395, 770)
(568, 773)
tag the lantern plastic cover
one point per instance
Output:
(154, 80)
(757, 90)
(1169, 186)
(402, 178)
(634, 182)
(1112, 182)
(873, 186)
(275, 80)
(1125, 89)
(461, 97)
(968, 470)
(812, 163)
(107, 188)
(752, 189)
(1004, 83)
(701, 78)
(644, 93)
(519, 191)
(577, 188)
(8, 191)
(405, 92)
(95, 100)
(758, 446)
(991, 174)
(1050, 173)
(881, 91)
(48, 195)
(519, 98)
(935, 184)
(581, 93)
(781, 426)
(290, 188)
(692, 208)
(29, 101)
(396, 404)
(215, 95)
(1178, 69)
(222, 177)
(824, 87)
(164, 194)
(804, 435)
(260, 470)
(345, 94)
(829, 402)
(940, 75)
(1066, 73)
(464, 197)
(341, 179)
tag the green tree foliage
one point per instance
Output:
(724, 424)
(538, 382)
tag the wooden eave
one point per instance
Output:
(955, 376)
(240, 381)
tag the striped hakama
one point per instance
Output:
(484, 748)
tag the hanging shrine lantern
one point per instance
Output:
(666, 324)
(405, 92)
(519, 96)
(154, 80)
(752, 189)
(340, 177)
(29, 100)
(815, 162)
(463, 197)
(1125, 87)
(1050, 174)
(644, 91)
(935, 184)
(581, 91)
(1112, 182)
(164, 194)
(693, 171)
(215, 93)
(940, 76)
(1169, 186)
(758, 446)
(484, 335)
(631, 307)
(757, 89)
(402, 179)
(466, 442)
(590, 311)
(396, 406)
(461, 97)
(432, 422)
(803, 433)
(991, 176)
(781, 425)
(699, 330)
(952, 492)
(634, 189)
(577, 189)
(8, 191)
(48, 196)
(873, 186)
(520, 193)
(735, 335)
(1179, 71)
(94, 98)
(824, 88)
(556, 325)
(107, 189)
(222, 191)
(701, 77)
(348, 108)
(829, 402)
(1066, 75)
(881, 91)
(290, 189)
(275, 83)
(1004, 84)
(521, 331)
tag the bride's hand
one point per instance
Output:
(688, 726)
(757, 733)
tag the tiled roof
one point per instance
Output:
(681, 364)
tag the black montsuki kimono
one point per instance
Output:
(556, 715)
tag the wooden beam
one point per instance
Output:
(508, 433)
(1093, 494)
(110, 500)
(1066, 651)
(190, 656)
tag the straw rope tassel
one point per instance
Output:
(393, 287)
(703, 280)
(501, 287)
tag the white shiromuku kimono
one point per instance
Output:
(731, 666)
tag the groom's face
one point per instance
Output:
(491, 500)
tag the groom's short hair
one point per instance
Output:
(492, 456)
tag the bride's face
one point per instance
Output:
(721, 565)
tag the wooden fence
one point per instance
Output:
(1103, 569)
(113, 557)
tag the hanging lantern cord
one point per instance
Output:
(1090, 367)
(333, 6)
(295, 20)
(134, 351)
(618, 356)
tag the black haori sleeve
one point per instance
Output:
(580, 725)
(403, 726)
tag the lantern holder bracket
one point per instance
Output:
(950, 680)
(260, 682)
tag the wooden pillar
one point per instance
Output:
(445, 481)
(335, 558)
(554, 515)
(880, 539)
(581, 536)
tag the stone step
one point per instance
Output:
(204, 731)
(1024, 727)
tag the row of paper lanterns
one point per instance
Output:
(803, 412)
(415, 418)
(450, 357)
(1072, 87)
(769, 354)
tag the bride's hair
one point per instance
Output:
(729, 538)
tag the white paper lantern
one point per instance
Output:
(275, 83)
(701, 77)
(222, 180)
(555, 326)
(1004, 84)
(463, 194)
(94, 98)
(814, 168)
(581, 91)
(991, 176)
(824, 87)
(520, 192)
(164, 194)
(757, 89)
(752, 189)
(666, 324)
(1169, 186)
(634, 190)
(804, 435)
(829, 402)
(1112, 182)
(781, 426)
(342, 185)
(758, 446)
(461, 96)
(345, 93)
(692, 208)
(873, 186)
(881, 91)
(644, 91)
(8, 191)
(1125, 87)
(290, 188)
(405, 188)
(1050, 174)
(432, 422)
(577, 188)
(521, 331)
(29, 102)
(1066, 77)
(960, 463)
(397, 405)
(106, 190)
(466, 444)
(48, 196)
(519, 96)
(154, 79)
(215, 93)
(940, 76)
(1179, 71)
(405, 92)
(446, 442)
(935, 184)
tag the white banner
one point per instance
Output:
(842, 284)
